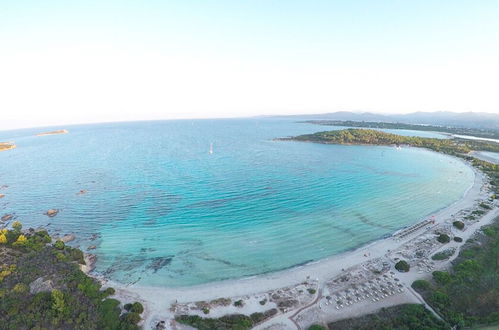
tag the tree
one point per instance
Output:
(58, 304)
(402, 266)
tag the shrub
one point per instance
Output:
(263, 302)
(316, 327)
(109, 291)
(239, 303)
(402, 266)
(443, 238)
(130, 318)
(458, 224)
(3, 239)
(137, 308)
(446, 254)
(59, 245)
(206, 310)
(421, 285)
(442, 278)
(485, 206)
(311, 291)
(20, 288)
(489, 231)
(458, 239)
(17, 226)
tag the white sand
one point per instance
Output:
(158, 300)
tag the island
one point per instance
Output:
(4, 146)
(61, 131)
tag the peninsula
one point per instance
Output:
(6, 146)
(61, 131)
(486, 133)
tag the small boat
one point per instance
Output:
(211, 148)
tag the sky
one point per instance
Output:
(67, 62)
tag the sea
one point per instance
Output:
(184, 202)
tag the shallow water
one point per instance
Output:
(164, 211)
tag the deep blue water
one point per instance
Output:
(164, 211)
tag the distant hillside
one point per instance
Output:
(439, 118)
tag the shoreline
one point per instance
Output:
(158, 300)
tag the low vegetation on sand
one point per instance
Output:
(42, 287)
(468, 295)
(409, 316)
(234, 321)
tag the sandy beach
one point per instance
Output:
(162, 304)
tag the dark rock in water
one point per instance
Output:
(160, 262)
(7, 217)
(82, 192)
(150, 222)
(92, 247)
(94, 237)
(52, 212)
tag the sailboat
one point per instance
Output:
(211, 148)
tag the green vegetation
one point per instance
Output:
(409, 316)
(316, 327)
(235, 321)
(421, 285)
(458, 224)
(444, 255)
(469, 294)
(458, 239)
(402, 266)
(374, 137)
(42, 287)
(443, 238)
(239, 303)
(485, 133)
(311, 291)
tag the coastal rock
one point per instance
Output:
(68, 238)
(2, 195)
(82, 192)
(90, 260)
(7, 217)
(39, 285)
(52, 212)
(92, 247)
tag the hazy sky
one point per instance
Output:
(97, 60)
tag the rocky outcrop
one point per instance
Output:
(68, 238)
(90, 260)
(39, 285)
(7, 217)
(92, 247)
(52, 212)
(2, 195)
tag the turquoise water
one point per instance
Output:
(164, 211)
